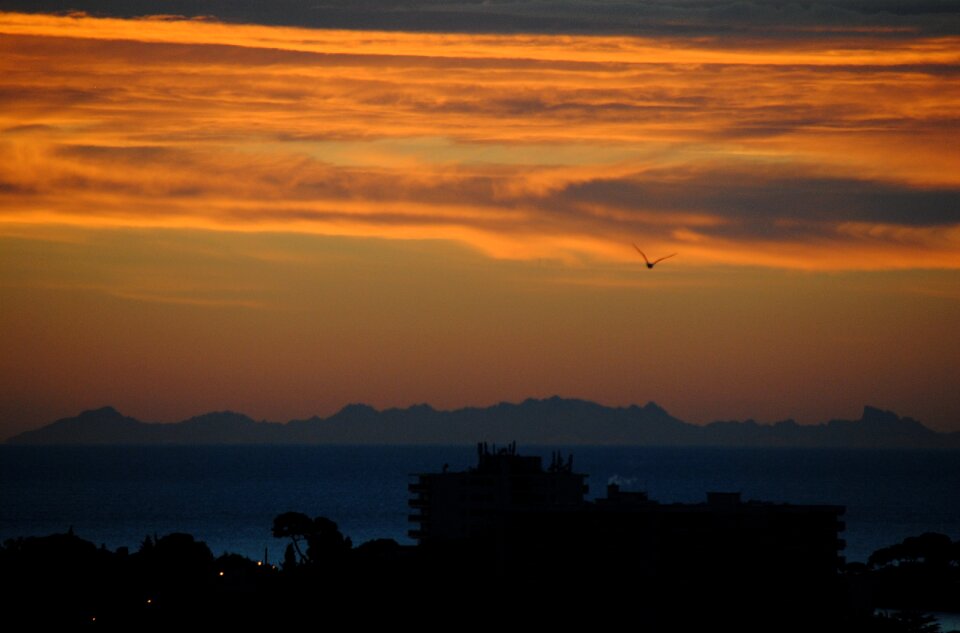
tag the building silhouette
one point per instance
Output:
(473, 505)
(512, 521)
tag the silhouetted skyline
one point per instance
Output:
(552, 421)
(485, 536)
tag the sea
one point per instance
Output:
(227, 496)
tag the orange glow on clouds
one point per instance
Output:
(519, 146)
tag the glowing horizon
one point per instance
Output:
(197, 215)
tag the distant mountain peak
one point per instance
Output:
(890, 421)
(554, 420)
(555, 402)
(219, 418)
(93, 426)
(653, 407)
(356, 409)
(102, 412)
(876, 413)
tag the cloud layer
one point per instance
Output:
(636, 17)
(836, 152)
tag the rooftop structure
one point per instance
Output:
(472, 504)
(511, 510)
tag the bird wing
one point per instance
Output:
(641, 252)
(663, 258)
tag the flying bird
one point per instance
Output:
(651, 264)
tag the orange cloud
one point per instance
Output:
(837, 154)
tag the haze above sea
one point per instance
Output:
(228, 496)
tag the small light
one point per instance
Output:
(149, 600)
(221, 573)
(259, 563)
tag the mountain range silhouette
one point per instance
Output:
(550, 421)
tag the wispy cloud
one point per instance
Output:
(834, 153)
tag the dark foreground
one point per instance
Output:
(63, 579)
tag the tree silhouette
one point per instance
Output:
(295, 525)
(325, 541)
(321, 535)
(289, 558)
(929, 548)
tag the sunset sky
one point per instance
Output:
(284, 210)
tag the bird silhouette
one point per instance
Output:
(651, 264)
